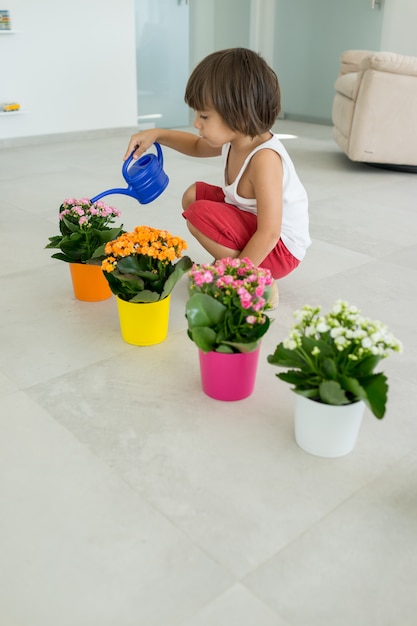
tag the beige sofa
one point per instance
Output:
(375, 108)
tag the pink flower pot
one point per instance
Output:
(228, 376)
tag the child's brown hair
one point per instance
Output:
(239, 85)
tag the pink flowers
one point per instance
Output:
(85, 228)
(227, 304)
(228, 279)
(246, 298)
(87, 214)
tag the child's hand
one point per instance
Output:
(141, 141)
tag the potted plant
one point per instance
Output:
(332, 359)
(85, 226)
(141, 269)
(226, 320)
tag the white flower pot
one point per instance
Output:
(327, 430)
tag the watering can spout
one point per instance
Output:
(110, 192)
(145, 177)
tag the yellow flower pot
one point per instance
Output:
(144, 323)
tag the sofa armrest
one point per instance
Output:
(350, 60)
(384, 124)
(390, 62)
(374, 108)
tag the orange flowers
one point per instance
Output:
(142, 266)
(144, 240)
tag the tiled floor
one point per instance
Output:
(128, 497)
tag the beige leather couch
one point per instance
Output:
(375, 108)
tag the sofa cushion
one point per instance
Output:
(348, 85)
(390, 62)
(351, 59)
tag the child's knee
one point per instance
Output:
(188, 197)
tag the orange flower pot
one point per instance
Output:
(89, 283)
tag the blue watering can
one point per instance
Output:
(145, 178)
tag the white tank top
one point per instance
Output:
(294, 228)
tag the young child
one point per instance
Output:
(261, 209)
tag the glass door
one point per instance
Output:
(309, 39)
(162, 62)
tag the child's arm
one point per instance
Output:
(265, 175)
(186, 143)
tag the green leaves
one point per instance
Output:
(366, 366)
(376, 390)
(68, 226)
(80, 246)
(285, 357)
(227, 304)
(204, 338)
(84, 227)
(324, 379)
(331, 392)
(139, 278)
(203, 310)
(180, 268)
(332, 357)
(215, 327)
(146, 296)
(204, 314)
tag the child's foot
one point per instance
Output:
(274, 299)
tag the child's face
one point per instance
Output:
(213, 128)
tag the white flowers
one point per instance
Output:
(322, 327)
(290, 343)
(332, 358)
(344, 329)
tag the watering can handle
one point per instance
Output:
(126, 164)
(130, 159)
(159, 153)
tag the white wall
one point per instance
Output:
(71, 66)
(73, 63)
(399, 27)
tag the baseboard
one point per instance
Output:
(33, 140)
(322, 121)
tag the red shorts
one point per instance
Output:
(231, 227)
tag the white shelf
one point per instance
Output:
(11, 113)
(9, 32)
